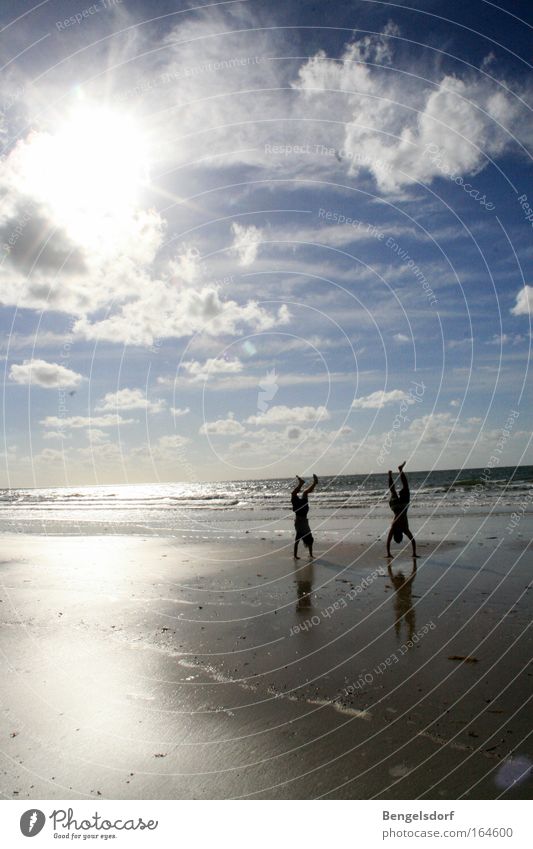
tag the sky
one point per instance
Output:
(248, 239)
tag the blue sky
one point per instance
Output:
(248, 241)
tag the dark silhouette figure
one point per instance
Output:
(301, 509)
(403, 601)
(399, 504)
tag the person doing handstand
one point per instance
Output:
(399, 504)
(301, 509)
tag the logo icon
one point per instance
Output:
(269, 389)
(32, 822)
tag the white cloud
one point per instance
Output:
(401, 338)
(501, 339)
(395, 124)
(46, 375)
(50, 455)
(211, 367)
(168, 444)
(246, 241)
(164, 311)
(379, 399)
(110, 420)
(524, 302)
(177, 412)
(96, 436)
(281, 414)
(222, 427)
(467, 342)
(130, 399)
(83, 270)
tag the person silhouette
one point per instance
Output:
(399, 504)
(301, 509)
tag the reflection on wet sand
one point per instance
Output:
(304, 576)
(403, 602)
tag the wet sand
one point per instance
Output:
(142, 668)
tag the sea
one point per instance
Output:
(345, 505)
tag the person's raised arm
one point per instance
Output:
(389, 540)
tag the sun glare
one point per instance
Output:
(90, 172)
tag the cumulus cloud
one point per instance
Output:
(222, 427)
(109, 420)
(47, 375)
(31, 242)
(281, 414)
(111, 266)
(62, 258)
(164, 312)
(246, 241)
(168, 444)
(212, 366)
(177, 412)
(55, 434)
(130, 399)
(404, 128)
(379, 399)
(524, 302)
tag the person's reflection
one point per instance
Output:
(403, 602)
(304, 586)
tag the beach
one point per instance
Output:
(149, 667)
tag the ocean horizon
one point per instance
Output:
(190, 509)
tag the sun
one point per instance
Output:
(90, 172)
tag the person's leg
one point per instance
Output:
(299, 485)
(391, 486)
(295, 553)
(310, 488)
(405, 487)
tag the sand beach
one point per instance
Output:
(141, 667)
